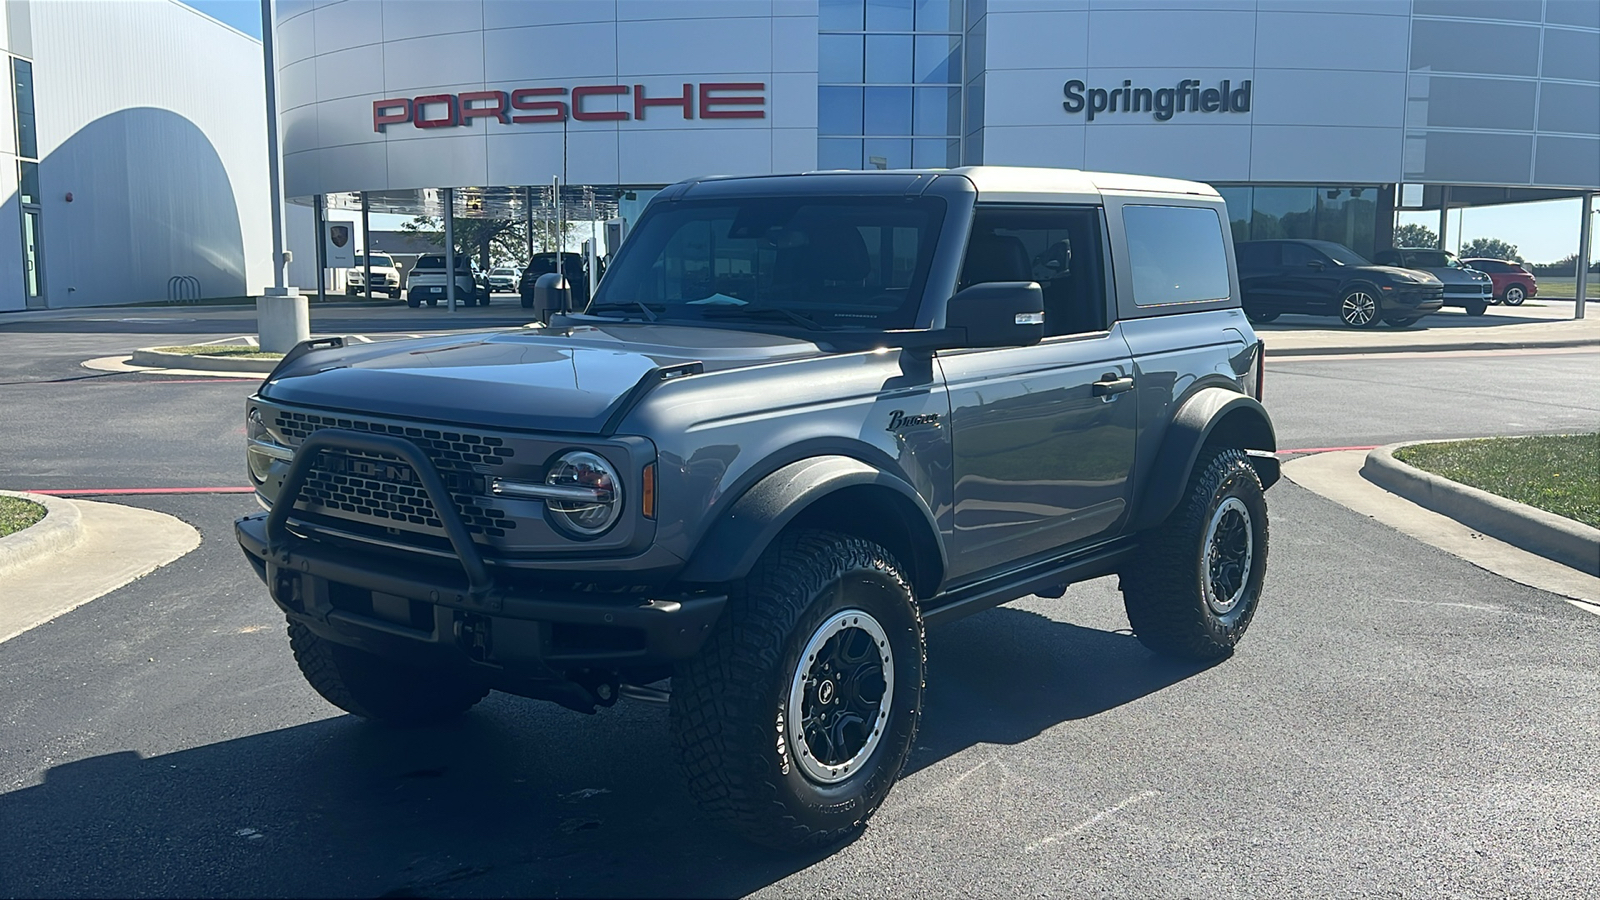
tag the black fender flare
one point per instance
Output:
(1234, 418)
(731, 546)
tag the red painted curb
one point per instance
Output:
(80, 492)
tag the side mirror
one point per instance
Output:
(550, 295)
(1317, 265)
(997, 314)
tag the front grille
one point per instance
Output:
(382, 490)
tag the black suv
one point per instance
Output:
(804, 417)
(1321, 278)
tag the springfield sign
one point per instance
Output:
(585, 103)
(1161, 103)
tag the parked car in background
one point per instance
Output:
(503, 279)
(428, 282)
(1465, 287)
(1513, 283)
(545, 263)
(1321, 278)
(385, 277)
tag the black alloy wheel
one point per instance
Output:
(1359, 308)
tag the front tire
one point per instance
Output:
(1359, 308)
(1194, 586)
(1401, 322)
(1475, 307)
(795, 719)
(372, 687)
(1515, 294)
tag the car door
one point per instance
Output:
(1311, 280)
(1261, 275)
(1042, 437)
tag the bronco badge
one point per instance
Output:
(898, 420)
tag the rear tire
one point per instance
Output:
(1515, 294)
(372, 687)
(1194, 586)
(1261, 318)
(821, 642)
(432, 302)
(414, 303)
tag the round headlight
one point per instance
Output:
(259, 463)
(596, 501)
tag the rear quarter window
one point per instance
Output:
(1176, 254)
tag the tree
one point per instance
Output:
(1490, 248)
(489, 240)
(1413, 235)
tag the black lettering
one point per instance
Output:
(894, 419)
(1098, 98)
(1074, 91)
(1226, 105)
(1183, 95)
(1210, 99)
(1164, 101)
(1240, 100)
(1142, 100)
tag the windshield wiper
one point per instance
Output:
(765, 312)
(649, 314)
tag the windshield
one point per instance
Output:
(1432, 259)
(812, 262)
(1341, 254)
(502, 270)
(377, 261)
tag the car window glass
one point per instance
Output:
(1428, 259)
(1389, 258)
(1057, 247)
(1298, 256)
(1177, 254)
(1256, 255)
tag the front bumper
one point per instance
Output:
(1415, 300)
(1464, 295)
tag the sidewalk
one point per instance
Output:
(1501, 328)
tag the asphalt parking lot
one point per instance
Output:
(1398, 722)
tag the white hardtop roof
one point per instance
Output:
(1023, 183)
(1019, 180)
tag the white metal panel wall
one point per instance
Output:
(152, 117)
(1352, 91)
(339, 57)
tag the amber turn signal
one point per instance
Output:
(647, 492)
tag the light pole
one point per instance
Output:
(282, 319)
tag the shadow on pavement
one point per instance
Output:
(510, 800)
(1449, 318)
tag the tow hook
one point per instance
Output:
(602, 686)
(472, 633)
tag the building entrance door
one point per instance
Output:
(32, 269)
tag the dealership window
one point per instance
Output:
(1343, 214)
(889, 76)
(22, 85)
(28, 183)
(1176, 254)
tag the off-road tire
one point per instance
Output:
(1165, 590)
(729, 703)
(1476, 307)
(372, 687)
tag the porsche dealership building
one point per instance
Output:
(1315, 118)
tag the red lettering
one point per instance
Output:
(640, 101)
(390, 112)
(452, 111)
(548, 110)
(496, 112)
(707, 101)
(597, 90)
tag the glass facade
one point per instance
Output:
(889, 80)
(1344, 214)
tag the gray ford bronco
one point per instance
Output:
(803, 417)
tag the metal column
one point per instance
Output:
(322, 248)
(366, 250)
(1585, 248)
(450, 247)
(1444, 216)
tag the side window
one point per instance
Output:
(1176, 253)
(1298, 256)
(1256, 256)
(1059, 247)
(1388, 258)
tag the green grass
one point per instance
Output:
(1567, 288)
(236, 351)
(17, 514)
(1557, 473)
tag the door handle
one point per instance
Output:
(1109, 385)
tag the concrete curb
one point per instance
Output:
(1554, 537)
(60, 529)
(155, 359)
(1426, 348)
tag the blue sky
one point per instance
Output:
(1543, 232)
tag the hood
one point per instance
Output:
(576, 379)
(1424, 275)
(1456, 276)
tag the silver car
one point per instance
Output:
(1464, 286)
